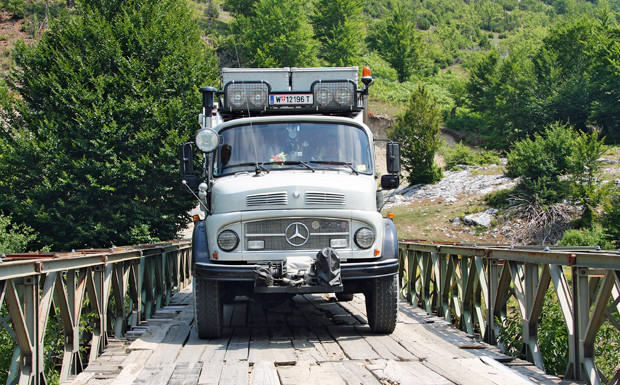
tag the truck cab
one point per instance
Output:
(289, 192)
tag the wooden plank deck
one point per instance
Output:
(307, 339)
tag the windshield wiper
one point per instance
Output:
(258, 166)
(293, 162)
(336, 163)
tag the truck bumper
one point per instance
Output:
(245, 273)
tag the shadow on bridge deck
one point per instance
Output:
(311, 339)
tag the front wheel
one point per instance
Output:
(208, 308)
(382, 304)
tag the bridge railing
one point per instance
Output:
(471, 286)
(92, 293)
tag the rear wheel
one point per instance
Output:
(344, 297)
(382, 304)
(208, 308)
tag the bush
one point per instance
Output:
(611, 221)
(541, 162)
(14, 238)
(586, 237)
(461, 154)
(418, 131)
(499, 198)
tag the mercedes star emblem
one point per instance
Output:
(297, 234)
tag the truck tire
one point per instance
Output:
(344, 297)
(208, 308)
(382, 304)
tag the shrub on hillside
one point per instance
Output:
(541, 163)
(586, 237)
(460, 154)
(418, 131)
(611, 221)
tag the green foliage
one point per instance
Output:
(499, 198)
(338, 27)
(106, 98)
(276, 35)
(611, 220)
(239, 7)
(462, 154)
(605, 68)
(593, 236)
(418, 131)
(541, 162)
(587, 189)
(16, 7)
(14, 238)
(397, 40)
(552, 335)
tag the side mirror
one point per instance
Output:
(393, 157)
(390, 182)
(186, 158)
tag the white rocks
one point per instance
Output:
(483, 219)
(451, 188)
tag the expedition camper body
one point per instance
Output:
(289, 194)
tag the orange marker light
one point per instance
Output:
(377, 252)
(390, 215)
(196, 218)
(215, 255)
(366, 72)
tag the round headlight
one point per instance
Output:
(258, 97)
(364, 238)
(207, 140)
(237, 97)
(323, 95)
(343, 96)
(228, 240)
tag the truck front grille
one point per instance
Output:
(296, 233)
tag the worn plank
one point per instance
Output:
(236, 372)
(354, 345)
(212, 359)
(406, 373)
(304, 372)
(264, 373)
(353, 372)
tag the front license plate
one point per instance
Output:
(288, 99)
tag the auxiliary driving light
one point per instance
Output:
(207, 140)
(334, 94)
(246, 96)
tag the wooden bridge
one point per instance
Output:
(125, 316)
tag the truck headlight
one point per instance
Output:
(364, 238)
(228, 240)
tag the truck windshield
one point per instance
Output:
(287, 145)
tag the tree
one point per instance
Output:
(398, 41)
(338, 27)
(277, 35)
(240, 7)
(105, 98)
(606, 77)
(418, 131)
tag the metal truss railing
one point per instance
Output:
(117, 287)
(471, 286)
